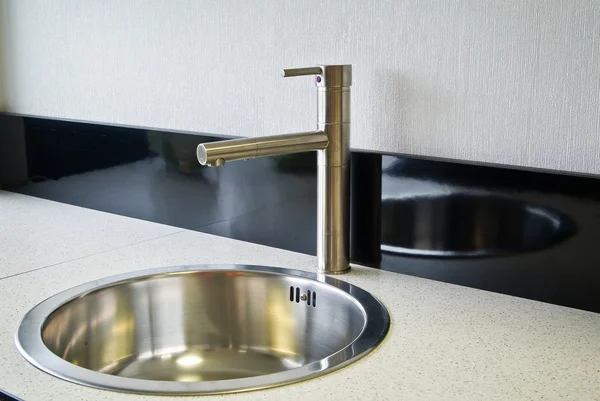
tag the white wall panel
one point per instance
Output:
(514, 82)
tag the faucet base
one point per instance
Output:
(335, 273)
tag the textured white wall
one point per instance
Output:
(513, 81)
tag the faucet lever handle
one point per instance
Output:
(297, 72)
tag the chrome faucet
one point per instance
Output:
(332, 141)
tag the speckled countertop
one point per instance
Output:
(445, 342)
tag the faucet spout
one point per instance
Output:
(217, 153)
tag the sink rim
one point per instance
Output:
(29, 341)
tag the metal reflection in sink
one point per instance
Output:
(458, 225)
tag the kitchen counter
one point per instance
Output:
(445, 341)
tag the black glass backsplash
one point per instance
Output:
(526, 233)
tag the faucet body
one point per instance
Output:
(331, 140)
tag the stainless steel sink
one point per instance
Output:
(468, 224)
(202, 329)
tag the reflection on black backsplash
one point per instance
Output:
(467, 224)
(525, 233)
(57, 149)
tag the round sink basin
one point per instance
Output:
(202, 329)
(458, 225)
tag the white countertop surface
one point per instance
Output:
(445, 341)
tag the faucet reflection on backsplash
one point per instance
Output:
(332, 141)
